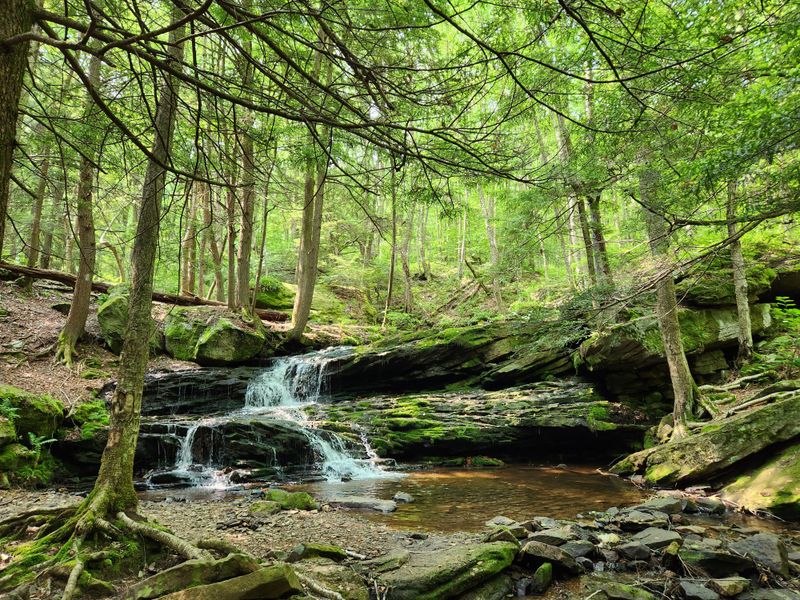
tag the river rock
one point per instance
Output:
(730, 586)
(716, 447)
(636, 520)
(578, 548)
(500, 520)
(554, 537)
(713, 559)
(191, 573)
(655, 538)
(497, 588)
(338, 578)
(449, 573)
(634, 551)
(386, 562)
(621, 591)
(765, 549)
(363, 502)
(403, 498)
(538, 553)
(501, 534)
(695, 591)
(542, 578)
(666, 504)
(313, 550)
(275, 581)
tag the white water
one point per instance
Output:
(283, 392)
(286, 390)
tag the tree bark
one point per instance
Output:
(408, 300)
(393, 254)
(188, 247)
(462, 246)
(598, 239)
(34, 244)
(739, 280)
(247, 210)
(113, 489)
(683, 385)
(16, 17)
(487, 208)
(210, 234)
(50, 223)
(423, 242)
(87, 245)
(587, 240)
(230, 207)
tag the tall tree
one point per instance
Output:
(739, 278)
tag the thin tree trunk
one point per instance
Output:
(262, 246)
(34, 244)
(82, 293)
(247, 209)
(587, 240)
(598, 239)
(462, 247)
(230, 206)
(210, 234)
(393, 255)
(188, 248)
(739, 280)
(113, 488)
(683, 385)
(70, 226)
(423, 242)
(408, 300)
(16, 17)
(50, 223)
(487, 207)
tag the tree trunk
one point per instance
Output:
(739, 280)
(683, 385)
(262, 246)
(15, 18)
(598, 239)
(188, 247)
(587, 240)
(113, 489)
(393, 254)
(462, 246)
(209, 232)
(230, 207)
(50, 223)
(308, 253)
(87, 246)
(247, 209)
(408, 300)
(34, 244)
(423, 241)
(487, 207)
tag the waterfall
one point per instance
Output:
(285, 390)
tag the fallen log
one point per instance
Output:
(100, 286)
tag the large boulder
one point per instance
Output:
(8, 433)
(772, 486)
(212, 335)
(37, 414)
(276, 581)
(562, 418)
(717, 446)
(449, 573)
(112, 316)
(714, 285)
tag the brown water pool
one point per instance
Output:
(463, 499)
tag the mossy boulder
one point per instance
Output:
(275, 581)
(291, 500)
(717, 447)
(8, 433)
(448, 573)
(16, 457)
(338, 578)
(112, 315)
(274, 294)
(773, 486)
(211, 335)
(90, 417)
(312, 550)
(265, 507)
(37, 414)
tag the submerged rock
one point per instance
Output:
(363, 502)
(449, 573)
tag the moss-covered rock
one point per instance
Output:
(112, 315)
(274, 294)
(8, 433)
(212, 335)
(90, 417)
(275, 581)
(338, 578)
(291, 500)
(312, 550)
(37, 414)
(265, 507)
(773, 486)
(449, 573)
(15, 457)
(705, 454)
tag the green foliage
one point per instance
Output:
(781, 351)
(90, 417)
(7, 409)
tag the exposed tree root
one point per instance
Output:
(174, 543)
(708, 405)
(65, 351)
(74, 576)
(317, 588)
(738, 383)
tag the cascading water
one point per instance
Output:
(285, 391)
(281, 393)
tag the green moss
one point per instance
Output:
(181, 331)
(598, 419)
(90, 417)
(291, 500)
(658, 473)
(37, 414)
(274, 294)
(112, 316)
(486, 461)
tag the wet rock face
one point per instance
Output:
(564, 419)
